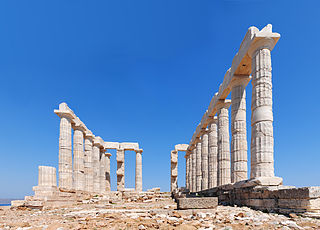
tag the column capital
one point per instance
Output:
(97, 141)
(139, 151)
(108, 154)
(78, 125)
(225, 104)
(212, 120)
(89, 135)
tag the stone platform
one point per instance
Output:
(280, 199)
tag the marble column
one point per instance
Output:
(224, 172)
(78, 157)
(194, 165)
(198, 167)
(108, 182)
(174, 170)
(139, 170)
(213, 153)
(47, 183)
(204, 160)
(262, 162)
(103, 164)
(239, 168)
(65, 147)
(47, 176)
(120, 170)
(96, 165)
(88, 162)
(187, 170)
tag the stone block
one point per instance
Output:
(181, 147)
(299, 193)
(197, 203)
(17, 203)
(111, 145)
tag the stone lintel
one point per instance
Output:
(181, 147)
(97, 141)
(129, 146)
(111, 145)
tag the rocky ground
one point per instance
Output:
(147, 214)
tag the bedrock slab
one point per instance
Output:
(197, 203)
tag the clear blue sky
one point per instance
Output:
(145, 71)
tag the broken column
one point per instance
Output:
(88, 162)
(213, 152)
(204, 160)
(198, 166)
(139, 170)
(120, 170)
(239, 168)
(47, 182)
(103, 164)
(78, 156)
(108, 183)
(174, 170)
(65, 148)
(223, 143)
(262, 162)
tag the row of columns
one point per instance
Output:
(213, 161)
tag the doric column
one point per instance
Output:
(204, 160)
(239, 168)
(139, 170)
(47, 176)
(262, 163)
(88, 162)
(78, 156)
(65, 148)
(97, 144)
(103, 164)
(213, 152)
(47, 182)
(223, 143)
(108, 182)
(174, 170)
(198, 167)
(194, 165)
(120, 169)
(187, 168)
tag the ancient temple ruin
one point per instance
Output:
(217, 168)
(84, 163)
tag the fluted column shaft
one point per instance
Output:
(239, 168)
(198, 167)
(78, 160)
(138, 171)
(102, 171)
(120, 170)
(65, 154)
(88, 164)
(262, 162)
(187, 171)
(174, 170)
(204, 161)
(108, 182)
(96, 168)
(47, 176)
(194, 165)
(223, 147)
(213, 153)
(190, 170)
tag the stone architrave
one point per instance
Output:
(204, 160)
(65, 147)
(103, 170)
(108, 182)
(139, 170)
(224, 172)
(174, 170)
(213, 152)
(239, 168)
(193, 170)
(120, 170)
(88, 162)
(198, 166)
(262, 162)
(96, 164)
(78, 157)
